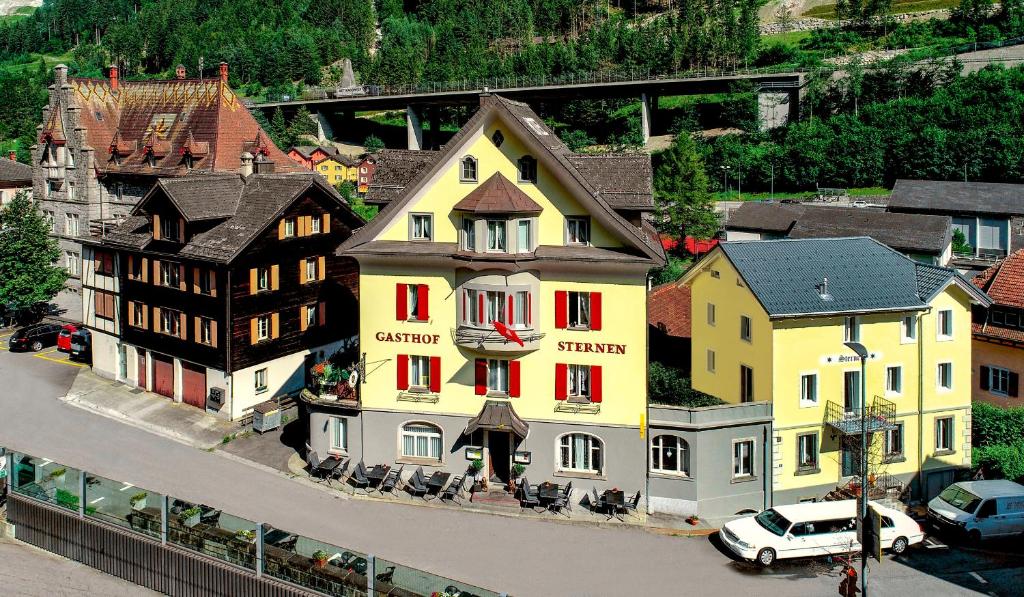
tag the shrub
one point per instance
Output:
(668, 385)
(66, 498)
(991, 425)
(1004, 461)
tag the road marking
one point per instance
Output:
(126, 486)
(45, 462)
(63, 361)
(933, 543)
(979, 578)
(99, 499)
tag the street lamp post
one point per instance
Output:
(725, 180)
(862, 352)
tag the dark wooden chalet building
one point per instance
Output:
(223, 282)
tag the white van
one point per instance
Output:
(813, 529)
(979, 509)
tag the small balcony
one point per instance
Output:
(422, 397)
(577, 407)
(492, 341)
(880, 415)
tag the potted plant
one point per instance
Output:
(190, 516)
(517, 471)
(478, 482)
(57, 475)
(693, 519)
(245, 535)
(138, 501)
(329, 382)
(320, 558)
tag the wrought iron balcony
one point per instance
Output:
(569, 406)
(880, 415)
(490, 340)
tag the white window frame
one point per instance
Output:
(577, 230)
(746, 329)
(72, 263)
(737, 457)
(567, 457)
(205, 331)
(419, 372)
(260, 380)
(658, 449)
(944, 434)
(908, 329)
(472, 173)
(999, 380)
(497, 236)
(521, 309)
(580, 384)
(582, 310)
(170, 322)
(887, 451)
(523, 176)
(943, 319)
(889, 389)
(421, 226)
(338, 435)
(314, 225)
(432, 434)
(940, 381)
(312, 317)
(851, 329)
(809, 393)
(169, 229)
(262, 328)
(816, 452)
(139, 315)
(289, 227)
(262, 279)
(311, 266)
(497, 376)
(711, 314)
(522, 247)
(469, 234)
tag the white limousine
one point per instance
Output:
(813, 529)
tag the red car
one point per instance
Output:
(64, 338)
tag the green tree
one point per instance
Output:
(302, 124)
(279, 130)
(373, 144)
(682, 201)
(668, 385)
(27, 256)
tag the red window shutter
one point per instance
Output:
(595, 310)
(481, 377)
(561, 309)
(511, 319)
(403, 372)
(435, 374)
(595, 383)
(401, 302)
(480, 314)
(513, 379)
(561, 381)
(423, 300)
(321, 312)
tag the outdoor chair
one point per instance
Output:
(391, 481)
(358, 478)
(631, 505)
(387, 576)
(317, 468)
(563, 501)
(596, 501)
(528, 496)
(417, 484)
(454, 490)
(209, 516)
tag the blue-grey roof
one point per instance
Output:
(863, 275)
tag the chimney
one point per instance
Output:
(179, 72)
(11, 156)
(60, 75)
(246, 169)
(262, 165)
(224, 72)
(823, 290)
(113, 78)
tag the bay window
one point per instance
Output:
(469, 234)
(496, 235)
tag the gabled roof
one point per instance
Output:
(547, 147)
(1004, 281)
(668, 309)
(787, 276)
(15, 172)
(246, 207)
(203, 115)
(307, 151)
(908, 233)
(497, 195)
(394, 169)
(623, 179)
(943, 196)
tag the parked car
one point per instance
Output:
(64, 337)
(35, 337)
(81, 346)
(979, 509)
(813, 529)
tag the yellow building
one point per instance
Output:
(337, 169)
(769, 322)
(503, 309)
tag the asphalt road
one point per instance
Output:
(522, 557)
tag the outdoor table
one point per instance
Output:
(547, 491)
(377, 474)
(614, 500)
(436, 481)
(276, 537)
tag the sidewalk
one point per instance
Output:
(149, 411)
(276, 451)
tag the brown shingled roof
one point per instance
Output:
(623, 179)
(165, 118)
(396, 168)
(497, 195)
(668, 309)
(1004, 281)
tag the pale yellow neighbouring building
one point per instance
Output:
(770, 320)
(503, 309)
(337, 169)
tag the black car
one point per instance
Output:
(35, 337)
(81, 346)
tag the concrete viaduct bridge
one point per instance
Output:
(778, 96)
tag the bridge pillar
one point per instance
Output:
(776, 108)
(324, 130)
(432, 115)
(648, 104)
(413, 128)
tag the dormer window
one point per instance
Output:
(169, 228)
(577, 231)
(527, 169)
(467, 173)
(150, 159)
(189, 161)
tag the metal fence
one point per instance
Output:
(116, 511)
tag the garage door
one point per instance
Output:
(193, 385)
(163, 376)
(142, 369)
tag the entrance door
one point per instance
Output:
(193, 385)
(163, 376)
(122, 356)
(851, 391)
(500, 450)
(142, 369)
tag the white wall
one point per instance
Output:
(741, 235)
(104, 355)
